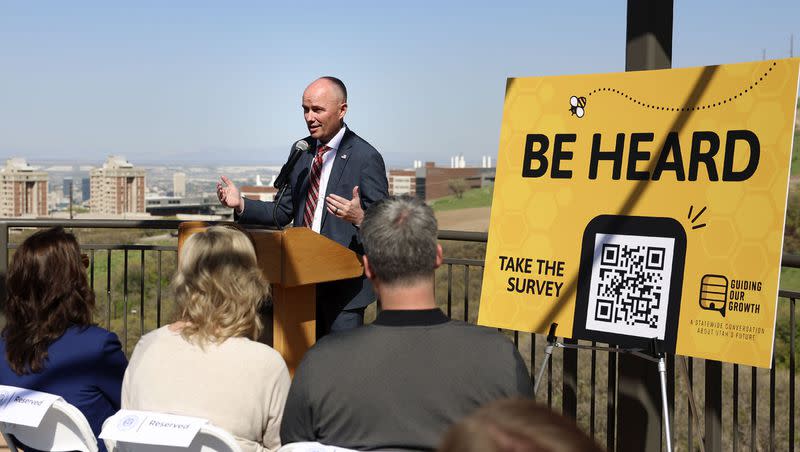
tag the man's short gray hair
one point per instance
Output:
(399, 237)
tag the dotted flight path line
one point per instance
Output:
(686, 108)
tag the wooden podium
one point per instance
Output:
(294, 260)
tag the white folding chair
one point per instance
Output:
(63, 428)
(208, 439)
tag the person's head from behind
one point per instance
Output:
(47, 293)
(399, 237)
(516, 425)
(218, 287)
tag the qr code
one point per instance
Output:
(629, 288)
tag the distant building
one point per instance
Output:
(258, 192)
(85, 189)
(117, 188)
(402, 182)
(167, 206)
(428, 181)
(23, 190)
(66, 187)
(179, 185)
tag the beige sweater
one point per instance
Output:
(239, 385)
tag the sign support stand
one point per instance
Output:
(655, 355)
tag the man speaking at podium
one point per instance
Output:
(335, 176)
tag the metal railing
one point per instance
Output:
(729, 407)
(120, 291)
(753, 416)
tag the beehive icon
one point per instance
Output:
(714, 293)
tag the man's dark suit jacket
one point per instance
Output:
(356, 163)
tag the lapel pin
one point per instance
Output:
(344, 156)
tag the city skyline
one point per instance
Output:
(212, 84)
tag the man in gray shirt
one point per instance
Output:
(400, 382)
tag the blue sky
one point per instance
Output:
(220, 82)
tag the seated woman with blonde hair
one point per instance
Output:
(208, 364)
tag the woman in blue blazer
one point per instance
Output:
(49, 343)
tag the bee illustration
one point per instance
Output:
(577, 106)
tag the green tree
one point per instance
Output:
(457, 186)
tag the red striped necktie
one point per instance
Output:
(313, 187)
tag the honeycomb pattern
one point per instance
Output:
(546, 218)
(723, 243)
(755, 205)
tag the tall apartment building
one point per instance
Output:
(179, 185)
(23, 190)
(117, 187)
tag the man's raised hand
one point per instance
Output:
(347, 210)
(228, 194)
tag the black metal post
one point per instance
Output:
(3, 269)
(649, 35)
(70, 200)
(569, 382)
(648, 46)
(713, 404)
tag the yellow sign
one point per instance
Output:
(644, 205)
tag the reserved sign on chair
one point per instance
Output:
(146, 427)
(24, 406)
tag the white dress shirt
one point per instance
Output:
(327, 164)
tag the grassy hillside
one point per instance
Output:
(477, 197)
(130, 299)
(795, 169)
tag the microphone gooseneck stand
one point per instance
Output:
(277, 201)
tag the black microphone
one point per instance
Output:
(283, 177)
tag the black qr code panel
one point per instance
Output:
(629, 288)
